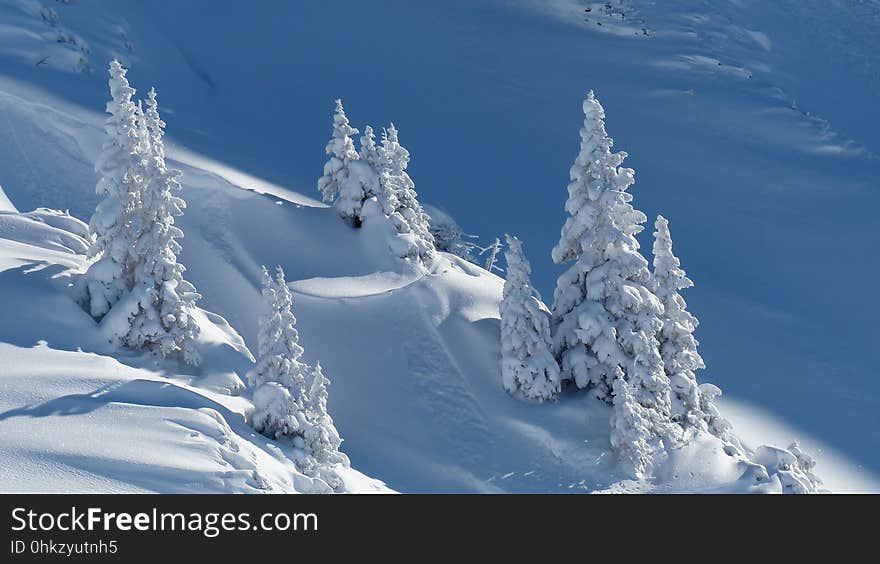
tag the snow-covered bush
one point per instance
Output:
(276, 413)
(491, 253)
(448, 235)
(792, 466)
(290, 397)
(605, 315)
(527, 365)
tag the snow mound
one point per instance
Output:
(353, 286)
(49, 229)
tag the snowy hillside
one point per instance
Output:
(708, 104)
(78, 416)
(416, 388)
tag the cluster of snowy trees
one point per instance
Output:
(135, 285)
(373, 184)
(617, 328)
(135, 288)
(290, 397)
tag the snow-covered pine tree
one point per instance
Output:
(163, 320)
(527, 365)
(605, 315)
(341, 151)
(279, 376)
(692, 404)
(369, 152)
(362, 182)
(290, 398)
(338, 184)
(678, 347)
(386, 196)
(399, 201)
(155, 126)
(121, 169)
(633, 430)
(322, 438)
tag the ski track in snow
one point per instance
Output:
(440, 383)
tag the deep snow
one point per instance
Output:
(737, 128)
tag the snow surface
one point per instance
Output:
(78, 416)
(762, 174)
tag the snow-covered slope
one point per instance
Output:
(414, 361)
(79, 416)
(416, 392)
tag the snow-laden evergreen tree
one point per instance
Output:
(322, 439)
(527, 365)
(278, 360)
(605, 315)
(492, 256)
(349, 179)
(341, 151)
(136, 276)
(633, 433)
(362, 182)
(376, 174)
(716, 424)
(369, 152)
(399, 201)
(290, 397)
(155, 127)
(678, 347)
(692, 403)
(121, 167)
(163, 318)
